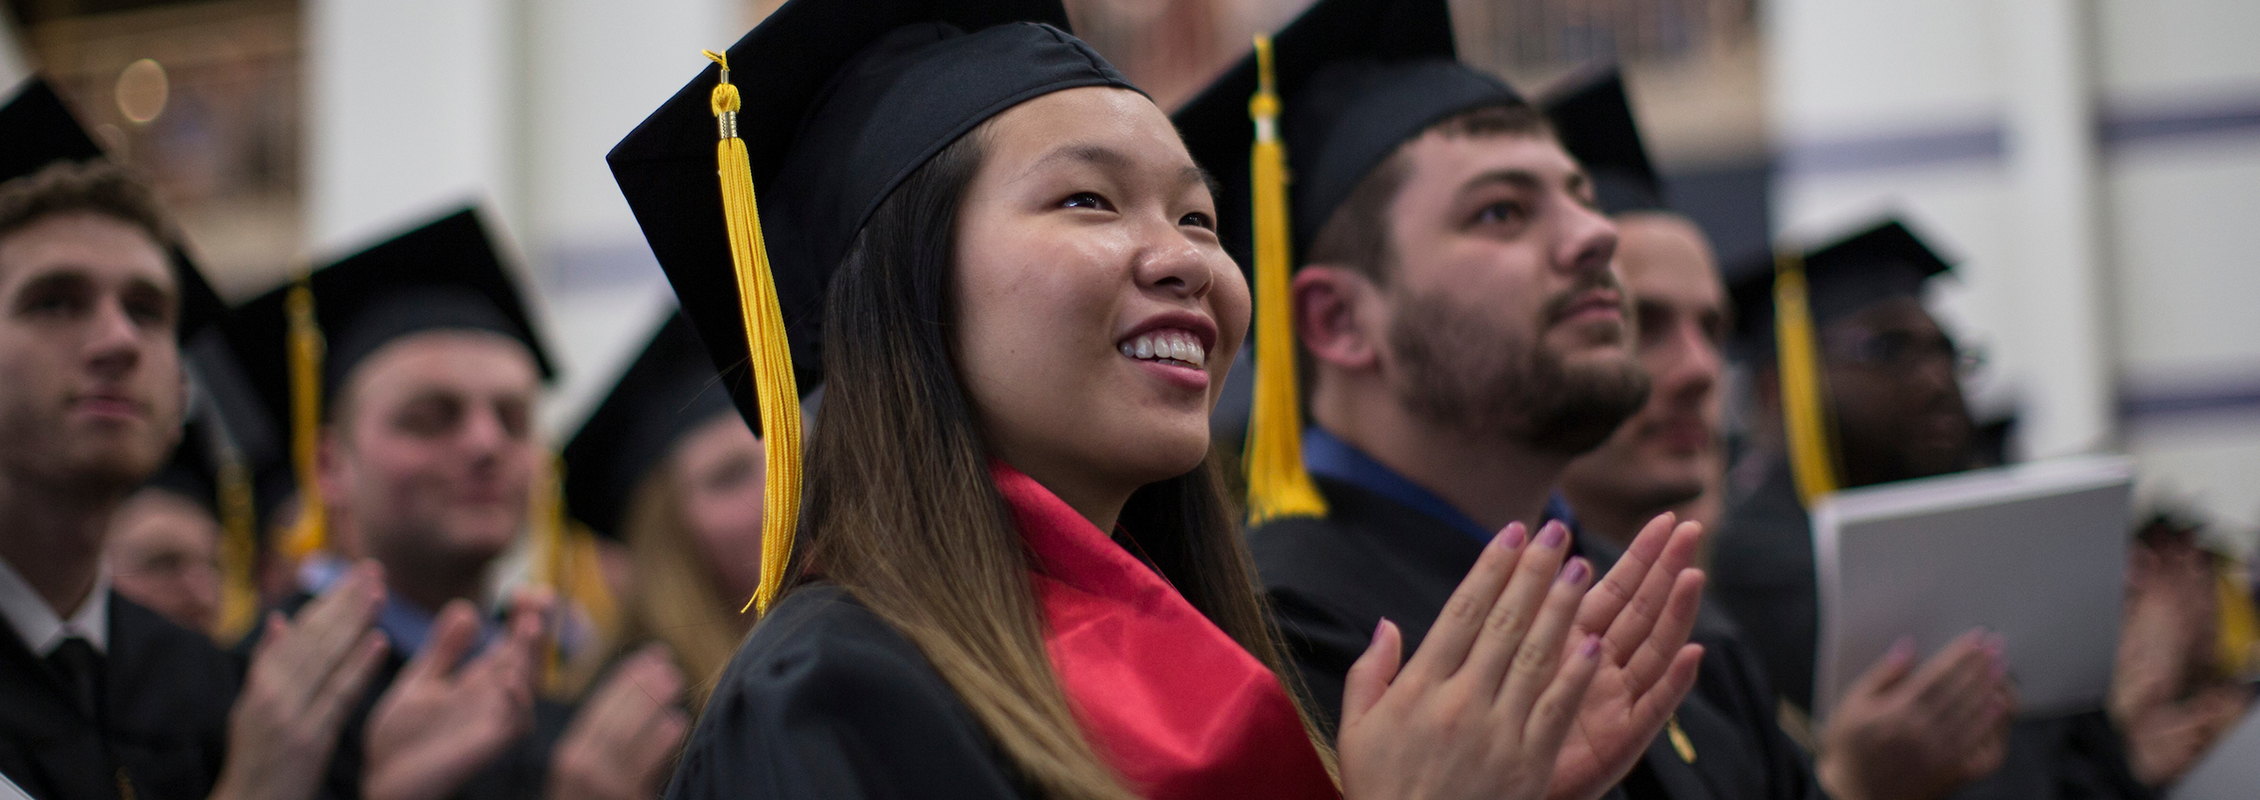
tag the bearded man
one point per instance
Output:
(1465, 337)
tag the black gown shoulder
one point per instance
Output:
(826, 700)
(1332, 580)
(162, 730)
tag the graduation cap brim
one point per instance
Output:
(1591, 114)
(1882, 261)
(669, 389)
(447, 274)
(41, 131)
(830, 129)
(1357, 78)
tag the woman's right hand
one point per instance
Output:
(1483, 707)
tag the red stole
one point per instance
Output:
(1177, 707)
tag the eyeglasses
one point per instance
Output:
(1905, 351)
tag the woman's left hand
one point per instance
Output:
(1643, 611)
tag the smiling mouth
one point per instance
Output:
(1168, 346)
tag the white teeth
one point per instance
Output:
(1172, 345)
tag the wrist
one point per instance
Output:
(1836, 778)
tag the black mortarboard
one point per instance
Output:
(447, 274)
(40, 131)
(842, 100)
(668, 390)
(1592, 116)
(1357, 78)
(1879, 262)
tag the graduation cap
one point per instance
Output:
(1780, 308)
(670, 389)
(1327, 101)
(1592, 116)
(843, 99)
(40, 132)
(1880, 261)
(300, 342)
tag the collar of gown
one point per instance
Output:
(1177, 707)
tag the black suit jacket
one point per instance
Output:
(162, 731)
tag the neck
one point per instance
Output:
(426, 575)
(1491, 480)
(54, 538)
(1612, 520)
(1099, 501)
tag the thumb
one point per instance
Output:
(1370, 676)
(1889, 671)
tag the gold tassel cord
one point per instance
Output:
(1812, 451)
(765, 342)
(305, 353)
(239, 550)
(1278, 484)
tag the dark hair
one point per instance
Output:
(99, 186)
(1356, 235)
(901, 511)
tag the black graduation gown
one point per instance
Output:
(163, 729)
(826, 700)
(1332, 580)
(522, 771)
(1763, 575)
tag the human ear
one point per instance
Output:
(1336, 318)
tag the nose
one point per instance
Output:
(113, 347)
(1696, 363)
(1588, 241)
(1172, 263)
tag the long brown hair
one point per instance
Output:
(901, 511)
(677, 599)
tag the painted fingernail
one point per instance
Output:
(1377, 629)
(1512, 536)
(1553, 534)
(1592, 646)
(1576, 570)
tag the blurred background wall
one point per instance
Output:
(2094, 165)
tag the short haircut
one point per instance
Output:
(1357, 235)
(100, 187)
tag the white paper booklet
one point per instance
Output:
(2034, 552)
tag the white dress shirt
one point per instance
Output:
(43, 630)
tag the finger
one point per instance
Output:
(1653, 655)
(1638, 620)
(1529, 594)
(452, 636)
(332, 626)
(1887, 672)
(624, 705)
(1649, 712)
(1934, 675)
(1462, 619)
(342, 692)
(1538, 658)
(1550, 718)
(1371, 674)
(654, 748)
(1603, 605)
(1966, 667)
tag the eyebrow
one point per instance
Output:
(1518, 178)
(1110, 158)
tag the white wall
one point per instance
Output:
(422, 103)
(2097, 167)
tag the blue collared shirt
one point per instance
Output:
(1326, 455)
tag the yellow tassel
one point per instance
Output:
(1278, 485)
(2239, 626)
(1812, 451)
(772, 356)
(239, 551)
(306, 351)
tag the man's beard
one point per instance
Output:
(1465, 370)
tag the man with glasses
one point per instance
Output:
(1891, 386)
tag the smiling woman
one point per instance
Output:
(1017, 574)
